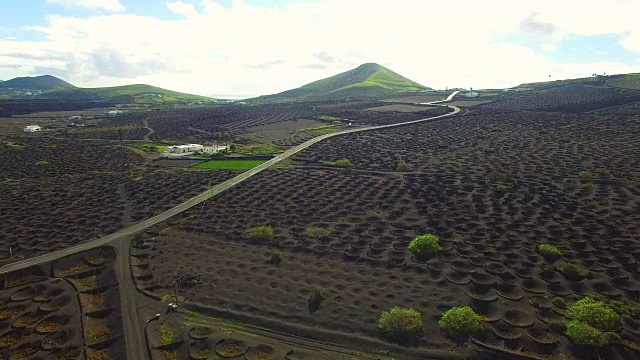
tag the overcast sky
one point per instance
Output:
(233, 48)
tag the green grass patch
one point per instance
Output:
(166, 335)
(240, 165)
(150, 147)
(345, 163)
(42, 162)
(258, 149)
(328, 118)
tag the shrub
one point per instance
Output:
(502, 187)
(276, 258)
(317, 232)
(401, 324)
(571, 270)
(425, 245)
(559, 326)
(340, 163)
(586, 175)
(584, 334)
(261, 233)
(460, 322)
(559, 302)
(316, 297)
(166, 335)
(403, 166)
(549, 251)
(594, 313)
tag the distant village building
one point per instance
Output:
(178, 151)
(75, 117)
(115, 112)
(471, 94)
(32, 129)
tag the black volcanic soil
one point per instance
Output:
(54, 311)
(55, 193)
(569, 180)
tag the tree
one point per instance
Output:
(228, 140)
(122, 134)
(218, 138)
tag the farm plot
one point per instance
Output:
(55, 193)
(237, 165)
(568, 98)
(66, 310)
(497, 188)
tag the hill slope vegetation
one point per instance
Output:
(43, 83)
(50, 87)
(366, 81)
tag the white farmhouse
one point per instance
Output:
(115, 112)
(32, 128)
(178, 151)
(471, 94)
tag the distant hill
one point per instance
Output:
(50, 87)
(623, 81)
(43, 83)
(366, 81)
(138, 93)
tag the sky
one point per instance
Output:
(245, 48)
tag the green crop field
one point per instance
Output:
(230, 164)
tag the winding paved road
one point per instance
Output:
(207, 194)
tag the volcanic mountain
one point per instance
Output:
(366, 81)
(42, 83)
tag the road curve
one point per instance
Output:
(208, 194)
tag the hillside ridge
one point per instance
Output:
(368, 80)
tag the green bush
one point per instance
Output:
(401, 324)
(502, 187)
(317, 232)
(403, 166)
(571, 270)
(425, 245)
(584, 334)
(549, 251)
(460, 322)
(586, 175)
(340, 163)
(594, 313)
(261, 233)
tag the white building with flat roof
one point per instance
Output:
(32, 128)
(178, 151)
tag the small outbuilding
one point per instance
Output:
(32, 128)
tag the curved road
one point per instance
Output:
(207, 194)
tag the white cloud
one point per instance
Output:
(182, 8)
(245, 50)
(548, 47)
(109, 5)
